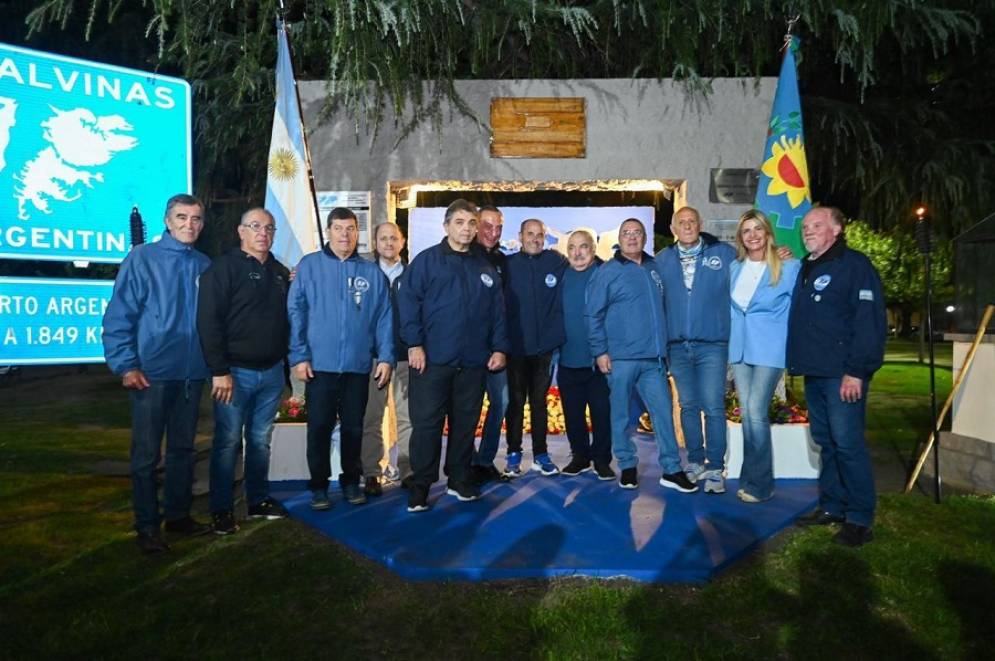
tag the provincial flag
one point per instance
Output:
(783, 192)
(289, 195)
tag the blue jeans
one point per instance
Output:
(846, 481)
(699, 368)
(252, 410)
(168, 407)
(497, 397)
(755, 385)
(648, 378)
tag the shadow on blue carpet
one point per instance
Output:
(543, 527)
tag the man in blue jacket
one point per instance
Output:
(535, 330)
(340, 319)
(836, 338)
(627, 329)
(695, 274)
(451, 309)
(150, 341)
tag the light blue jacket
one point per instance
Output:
(624, 310)
(151, 321)
(340, 314)
(698, 315)
(759, 334)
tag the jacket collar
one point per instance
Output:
(448, 249)
(619, 257)
(168, 242)
(327, 249)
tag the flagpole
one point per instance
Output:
(300, 112)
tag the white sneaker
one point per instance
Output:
(694, 471)
(713, 480)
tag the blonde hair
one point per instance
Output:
(770, 248)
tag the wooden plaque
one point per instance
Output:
(538, 127)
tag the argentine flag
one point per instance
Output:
(289, 196)
(783, 192)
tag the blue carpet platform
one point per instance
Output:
(541, 527)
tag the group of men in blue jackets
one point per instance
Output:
(465, 314)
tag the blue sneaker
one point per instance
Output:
(320, 501)
(514, 466)
(545, 465)
(353, 494)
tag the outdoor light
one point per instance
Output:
(920, 213)
(950, 308)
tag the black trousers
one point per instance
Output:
(335, 396)
(440, 392)
(580, 388)
(528, 377)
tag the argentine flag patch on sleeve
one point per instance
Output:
(866, 295)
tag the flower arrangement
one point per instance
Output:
(781, 412)
(292, 409)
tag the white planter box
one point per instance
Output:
(795, 453)
(288, 452)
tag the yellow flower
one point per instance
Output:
(788, 171)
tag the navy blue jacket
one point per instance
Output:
(575, 351)
(624, 311)
(340, 317)
(151, 321)
(837, 325)
(535, 308)
(451, 304)
(699, 315)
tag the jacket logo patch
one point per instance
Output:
(822, 282)
(550, 280)
(255, 276)
(656, 277)
(361, 284)
(714, 263)
(866, 295)
(487, 280)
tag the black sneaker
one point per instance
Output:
(371, 486)
(223, 523)
(678, 481)
(463, 491)
(188, 526)
(268, 509)
(818, 518)
(484, 474)
(353, 494)
(417, 498)
(604, 472)
(577, 466)
(150, 544)
(629, 479)
(853, 535)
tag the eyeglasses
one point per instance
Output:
(259, 228)
(631, 233)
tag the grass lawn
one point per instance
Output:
(72, 583)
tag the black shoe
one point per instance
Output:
(188, 526)
(853, 535)
(353, 494)
(149, 544)
(629, 479)
(577, 466)
(268, 509)
(223, 523)
(417, 498)
(483, 474)
(371, 486)
(464, 491)
(818, 518)
(604, 472)
(678, 481)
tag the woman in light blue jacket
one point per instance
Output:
(760, 298)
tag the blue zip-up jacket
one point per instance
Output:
(151, 321)
(535, 308)
(758, 335)
(837, 325)
(340, 316)
(576, 352)
(699, 315)
(624, 310)
(452, 305)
